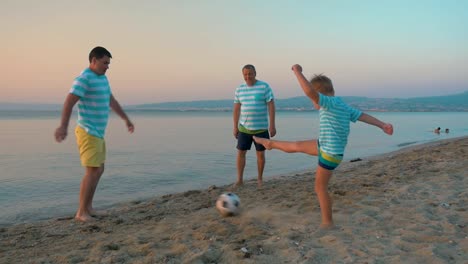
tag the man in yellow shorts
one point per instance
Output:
(91, 90)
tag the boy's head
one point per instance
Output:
(322, 84)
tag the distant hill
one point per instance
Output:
(189, 105)
(448, 103)
(29, 107)
(456, 102)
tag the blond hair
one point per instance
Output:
(322, 84)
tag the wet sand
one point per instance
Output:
(408, 206)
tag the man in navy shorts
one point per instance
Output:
(253, 104)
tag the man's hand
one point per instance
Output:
(272, 131)
(60, 133)
(297, 68)
(388, 128)
(235, 132)
(130, 126)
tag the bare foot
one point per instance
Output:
(237, 185)
(94, 212)
(327, 226)
(84, 218)
(263, 141)
(259, 184)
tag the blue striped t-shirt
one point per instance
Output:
(335, 117)
(94, 104)
(253, 100)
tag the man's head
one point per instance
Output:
(99, 60)
(322, 84)
(249, 73)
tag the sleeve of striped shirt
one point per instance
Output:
(236, 96)
(269, 94)
(324, 101)
(354, 113)
(80, 86)
(110, 87)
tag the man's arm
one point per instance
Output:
(305, 84)
(271, 112)
(235, 118)
(114, 104)
(62, 130)
(386, 127)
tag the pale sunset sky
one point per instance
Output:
(194, 50)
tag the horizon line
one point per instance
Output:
(226, 99)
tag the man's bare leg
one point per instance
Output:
(321, 189)
(90, 179)
(91, 210)
(260, 167)
(240, 167)
(307, 146)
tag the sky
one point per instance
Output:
(194, 50)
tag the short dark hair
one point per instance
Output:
(324, 84)
(249, 67)
(98, 53)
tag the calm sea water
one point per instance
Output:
(169, 152)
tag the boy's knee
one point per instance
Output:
(321, 181)
(295, 148)
(321, 188)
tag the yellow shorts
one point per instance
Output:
(92, 149)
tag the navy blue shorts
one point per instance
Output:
(244, 141)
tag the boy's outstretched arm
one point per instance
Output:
(386, 127)
(305, 84)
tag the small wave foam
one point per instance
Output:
(404, 144)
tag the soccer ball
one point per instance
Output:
(228, 204)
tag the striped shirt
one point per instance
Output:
(94, 104)
(253, 100)
(335, 117)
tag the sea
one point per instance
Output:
(170, 152)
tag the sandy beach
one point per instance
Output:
(408, 206)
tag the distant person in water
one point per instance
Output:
(437, 130)
(253, 104)
(93, 94)
(335, 118)
(447, 130)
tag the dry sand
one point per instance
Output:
(404, 207)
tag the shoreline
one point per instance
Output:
(405, 205)
(346, 162)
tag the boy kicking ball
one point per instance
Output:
(335, 117)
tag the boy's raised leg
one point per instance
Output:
(321, 189)
(307, 146)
